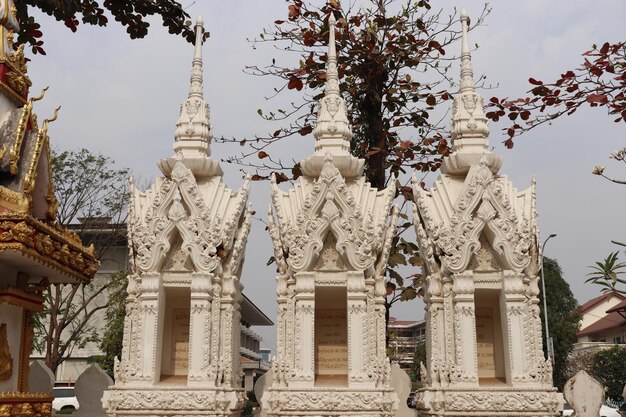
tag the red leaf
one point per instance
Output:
(294, 11)
(535, 82)
(295, 83)
(597, 99)
(605, 48)
(305, 130)
(508, 143)
(263, 154)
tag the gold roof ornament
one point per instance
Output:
(14, 82)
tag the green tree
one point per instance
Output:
(418, 358)
(93, 196)
(111, 341)
(609, 367)
(393, 64)
(563, 318)
(131, 14)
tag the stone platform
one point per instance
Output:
(488, 402)
(326, 401)
(173, 400)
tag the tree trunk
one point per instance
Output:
(372, 110)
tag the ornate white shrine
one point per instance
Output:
(331, 233)
(187, 235)
(478, 241)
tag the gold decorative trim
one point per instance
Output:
(25, 404)
(26, 349)
(56, 247)
(22, 125)
(6, 360)
(16, 201)
(24, 396)
(42, 140)
(8, 91)
(22, 299)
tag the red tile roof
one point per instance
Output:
(595, 301)
(612, 320)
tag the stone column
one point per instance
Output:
(229, 313)
(512, 301)
(304, 343)
(200, 331)
(152, 314)
(464, 329)
(357, 338)
(435, 329)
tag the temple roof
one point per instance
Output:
(189, 220)
(30, 240)
(470, 206)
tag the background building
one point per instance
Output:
(603, 323)
(404, 338)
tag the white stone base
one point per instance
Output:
(327, 402)
(488, 402)
(173, 401)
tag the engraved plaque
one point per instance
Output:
(485, 343)
(180, 341)
(331, 339)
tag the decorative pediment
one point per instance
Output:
(352, 216)
(25, 163)
(487, 205)
(209, 219)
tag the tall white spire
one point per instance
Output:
(332, 131)
(193, 133)
(469, 125)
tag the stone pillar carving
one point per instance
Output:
(151, 317)
(304, 330)
(357, 327)
(466, 369)
(513, 302)
(200, 333)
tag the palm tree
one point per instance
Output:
(607, 272)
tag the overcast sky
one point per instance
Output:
(121, 97)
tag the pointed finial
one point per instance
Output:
(199, 36)
(332, 132)
(195, 87)
(467, 73)
(469, 131)
(332, 77)
(193, 129)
